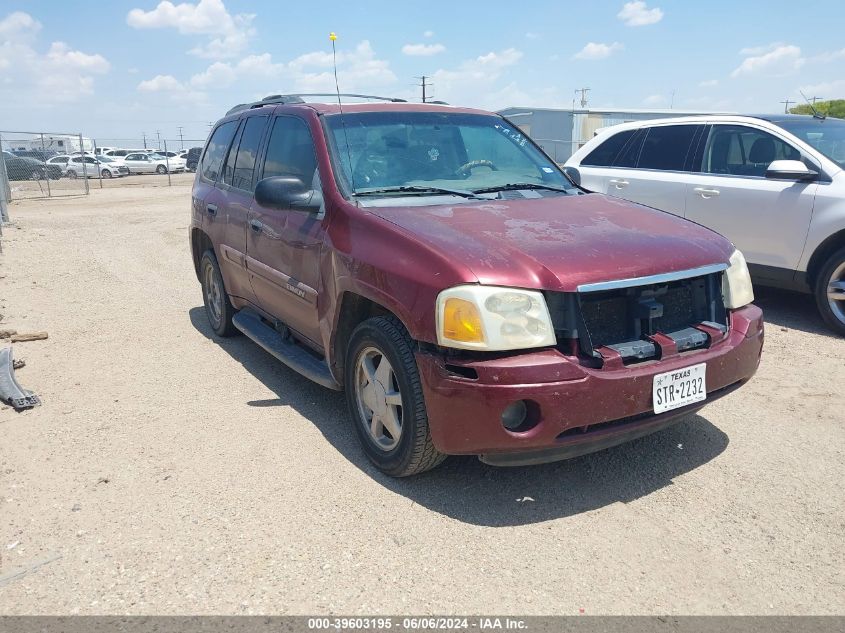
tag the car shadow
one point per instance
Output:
(467, 490)
(789, 309)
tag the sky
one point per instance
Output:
(117, 70)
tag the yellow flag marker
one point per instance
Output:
(332, 36)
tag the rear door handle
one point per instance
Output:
(256, 226)
(706, 193)
(211, 209)
(619, 184)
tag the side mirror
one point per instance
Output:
(790, 170)
(573, 174)
(287, 192)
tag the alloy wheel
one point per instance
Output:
(379, 398)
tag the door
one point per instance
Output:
(236, 185)
(766, 219)
(283, 247)
(211, 202)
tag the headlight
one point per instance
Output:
(493, 319)
(736, 283)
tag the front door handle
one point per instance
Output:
(706, 193)
(619, 184)
(256, 226)
(211, 209)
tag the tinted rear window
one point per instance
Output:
(666, 147)
(606, 152)
(219, 142)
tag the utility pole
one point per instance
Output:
(158, 139)
(672, 101)
(144, 135)
(583, 92)
(181, 140)
(814, 99)
(424, 85)
(786, 103)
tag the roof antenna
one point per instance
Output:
(816, 113)
(333, 38)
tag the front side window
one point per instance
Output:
(666, 147)
(216, 149)
(290, 151)
(467, 152)
(737, 150)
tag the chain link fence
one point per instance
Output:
(48, 164)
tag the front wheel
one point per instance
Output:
(161, 169)
(106, 173)
(218, 308)
(830, 292)
(385, 399)
(71, 175)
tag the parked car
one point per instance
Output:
(90, 167)
(61, 161)
(25, 168)
(173, 163)
(774, 185)
(38, 154)
(142, 163)
(192, 158)
(436, 265)
(120, 153)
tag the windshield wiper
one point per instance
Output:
(515, 186)
(416, 189)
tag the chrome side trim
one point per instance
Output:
(652, 279)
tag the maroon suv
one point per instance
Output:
(436, 265)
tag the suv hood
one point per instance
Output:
(560, 242)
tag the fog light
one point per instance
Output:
(514, 414)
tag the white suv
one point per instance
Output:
(774, 185)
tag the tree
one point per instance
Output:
(833, 108)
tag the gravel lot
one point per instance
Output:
(170, 472)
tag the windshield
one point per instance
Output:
(436, 152)
(826, 135)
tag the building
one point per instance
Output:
(561, 132)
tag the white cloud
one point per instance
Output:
(829, 89)
(473, 81)
(779, 60)
(654, 100)
(709, 83)
(218, 75)
(638, 14)
(61, 74)
(229, 34)
(422, 50)
(161, 83)
(18, 26)
(760, 50)
(532, 36)
(428, 34)
(358, 69)
(830, 56)
(597, 50)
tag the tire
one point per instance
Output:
(35, 175)
(374, 341)
(161, 169)
(830, 283)
(106, 173)
(218, 308)
(71, 174)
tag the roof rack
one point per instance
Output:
(298, 98)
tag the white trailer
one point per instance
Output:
(62, 143)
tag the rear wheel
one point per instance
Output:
(71, 174)
(218, 308)
(106, 173)
(830, 292)
(385, 399)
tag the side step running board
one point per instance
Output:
(289, 353)
(10, 391)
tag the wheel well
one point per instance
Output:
(200, 242)
(354, 310)
(822, 252)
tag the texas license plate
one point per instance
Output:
(678, 388)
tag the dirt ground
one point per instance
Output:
(171, 472)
